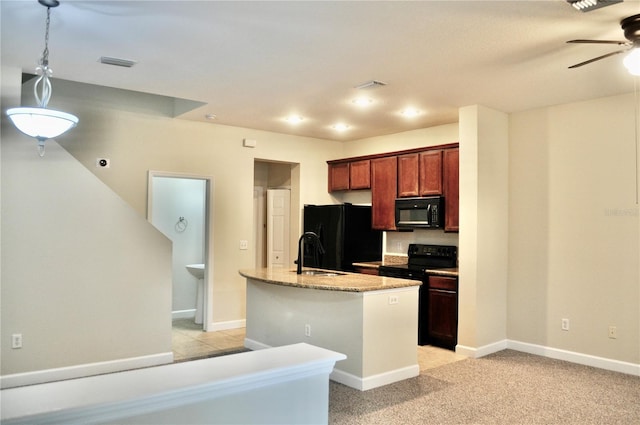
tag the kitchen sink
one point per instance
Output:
(323, 273)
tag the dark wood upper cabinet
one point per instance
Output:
(451, 176)
(350, 175)
(427, 171)
(360, 174)
(431, 173)
(408, 175)
(384, 172)
(338, 176)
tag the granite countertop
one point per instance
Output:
(348, 282)
(393, 260)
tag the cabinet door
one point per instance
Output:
(360, 174)
(338, 176)
(384, 177)
(431, 173)
(408, 175)
(443, 311)
(450, 189)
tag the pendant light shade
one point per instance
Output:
(40, 122)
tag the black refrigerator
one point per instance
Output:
(346, 236)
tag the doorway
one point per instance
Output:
(179, 206)
(276, 212)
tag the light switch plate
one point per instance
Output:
(244, 244)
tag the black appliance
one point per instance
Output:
(419, 259)
(420, 213)
(346, 236)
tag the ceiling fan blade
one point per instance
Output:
(598, 58)
(619, 43)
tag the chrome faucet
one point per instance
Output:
(308, 237)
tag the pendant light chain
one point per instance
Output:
(45, 54)
(43, 70)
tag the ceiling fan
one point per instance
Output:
(631, 28)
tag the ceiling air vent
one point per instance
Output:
(116, 61)
(588, 5)
(370, 84)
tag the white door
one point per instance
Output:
(278, 217)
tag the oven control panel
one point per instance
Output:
(432, 255)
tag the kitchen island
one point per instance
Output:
(371, 319)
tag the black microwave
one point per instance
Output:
(421, 213)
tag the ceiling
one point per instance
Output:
(253, 63)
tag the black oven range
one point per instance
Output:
(420, 259)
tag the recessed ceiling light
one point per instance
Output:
(210, 117)
(362, 101)
(410, 112)
(294, 119)
(340, 127)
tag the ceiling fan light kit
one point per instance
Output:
(589, 5)
(42, 123)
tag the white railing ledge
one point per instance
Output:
(113, 396)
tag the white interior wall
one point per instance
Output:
(78, 265)
(574, 228)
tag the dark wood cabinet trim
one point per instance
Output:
(396, 153)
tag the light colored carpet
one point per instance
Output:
(508, 387)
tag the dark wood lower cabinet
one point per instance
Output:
(439, 312)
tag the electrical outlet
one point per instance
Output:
(565, 324)
(613, 332)
(393, 299)
(244, 244)
(307, 330)
(16, 341)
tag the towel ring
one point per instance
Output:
(181, 225)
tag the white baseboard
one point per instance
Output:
(375, 381)
(223, 326)
(82, 370)
(574, 357)
(552, 353)
(254, 345)
(485, 350)
(350, 380)
(183, 314)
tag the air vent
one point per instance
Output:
(588, 5)
(116, 61)
(370, 84)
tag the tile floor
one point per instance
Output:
(191, 343)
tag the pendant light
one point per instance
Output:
(40, 122)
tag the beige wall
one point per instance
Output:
(77, 288)
(574, 228)
(135, 135)
(483, 241)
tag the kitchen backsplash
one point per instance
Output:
(397, 243)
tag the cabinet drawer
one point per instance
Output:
(446, 283)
